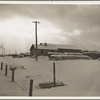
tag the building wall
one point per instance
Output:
(45, 52)
(32, 52)
(70, 50)
(41, 52)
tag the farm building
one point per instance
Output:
(45, 48)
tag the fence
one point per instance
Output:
(42, 85)
(11, 69)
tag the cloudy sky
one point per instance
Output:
(64, 24)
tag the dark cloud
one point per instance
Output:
(68, 18)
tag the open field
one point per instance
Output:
(81, 77)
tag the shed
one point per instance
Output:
(44, 48)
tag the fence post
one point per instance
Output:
(1, 65)
(13, 75)
(31, 87)
(6, 70)
(54, 78)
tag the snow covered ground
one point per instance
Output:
(81, 77)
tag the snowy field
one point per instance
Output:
(81, 77)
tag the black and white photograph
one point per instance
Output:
(49, 50)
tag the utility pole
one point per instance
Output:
(2, 46)
(36, 22)
(15, 52)
(4, 51)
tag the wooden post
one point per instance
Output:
(6, 70)
(54, 78)
(1, 65)
(36, 38)
(36, 53)
(31, 87)
(13, 75)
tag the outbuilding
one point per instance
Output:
(45, 48)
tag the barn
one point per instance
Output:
(45, 48)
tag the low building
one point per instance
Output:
(92, 54)
(45, 48)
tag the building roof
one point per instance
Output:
(48, 46)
